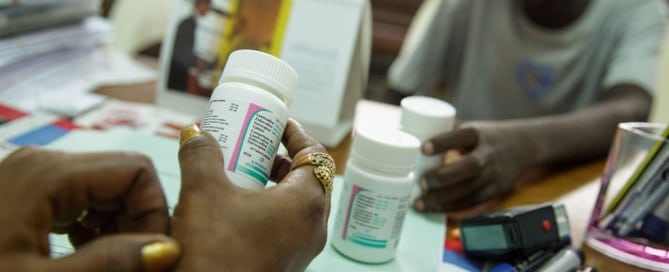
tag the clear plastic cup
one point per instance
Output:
(628, 222)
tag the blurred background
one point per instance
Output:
(141, 34)
(136, 28)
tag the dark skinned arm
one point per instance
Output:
(496, 154)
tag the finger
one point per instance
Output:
(449, 184)
(88, 226)
(67, 184)
(127, 252)
(461, 139)
(452, 173)
(94, 218)
(457, 215)
(479, 193)
(449, 198)
(301, 181)
(80, 235)
(298, 141)
(280, 168)
(482, 195)
(201, 160)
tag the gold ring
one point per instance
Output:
(324, 171)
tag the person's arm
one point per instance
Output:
(495, 154)
(587, 133)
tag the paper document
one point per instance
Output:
(138, 116)
(40, 83)
(90, 32)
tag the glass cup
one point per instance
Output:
(630, 220)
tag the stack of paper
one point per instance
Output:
(33, 27)
(52, 55)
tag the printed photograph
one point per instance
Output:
(209, 30)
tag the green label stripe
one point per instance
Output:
(260, 177)
(258, 170)
(368, 242)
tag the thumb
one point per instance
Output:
(123, 252)
(200, 158)
(462, 139)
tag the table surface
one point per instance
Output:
(539, 188)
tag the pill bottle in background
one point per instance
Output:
(425, 117)
(247, 114)
(376, 193)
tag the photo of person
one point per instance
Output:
(211, 30)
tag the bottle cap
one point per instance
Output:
(426, 117)
(262, 68)
(385, 148)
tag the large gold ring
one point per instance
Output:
(324, 171)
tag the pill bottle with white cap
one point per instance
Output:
(376, 193)
(426, 117)
(247, 114)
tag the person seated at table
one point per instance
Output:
(538, 84)
(113, 209)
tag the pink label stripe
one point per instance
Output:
(354, 192)
(252, 111)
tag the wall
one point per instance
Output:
(660, 110)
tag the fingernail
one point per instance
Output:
(159, 256)
(419, 205)
(189, 132)
(428, 148)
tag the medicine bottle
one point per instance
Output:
(247, 114)
(426, 117)
(376, 193)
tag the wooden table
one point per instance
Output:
(540, 188)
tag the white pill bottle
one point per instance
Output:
(376, 193)
(247, 114)
(426, 117)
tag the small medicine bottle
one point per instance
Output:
(425, 117)
(247, 114)
(376, 193)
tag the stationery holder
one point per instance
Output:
(630, 220)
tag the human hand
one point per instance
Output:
(494, 154)
(44, 191)
(220, 226)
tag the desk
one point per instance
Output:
(543, 187)
(538, 188)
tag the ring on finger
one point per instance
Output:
(324, 170)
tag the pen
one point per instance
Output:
(654, 154)
(637, 204)
(530, 263)
(588, 269)
(567, 259)
(655, 224)
(630, 223)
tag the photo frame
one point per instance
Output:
(328, 42)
